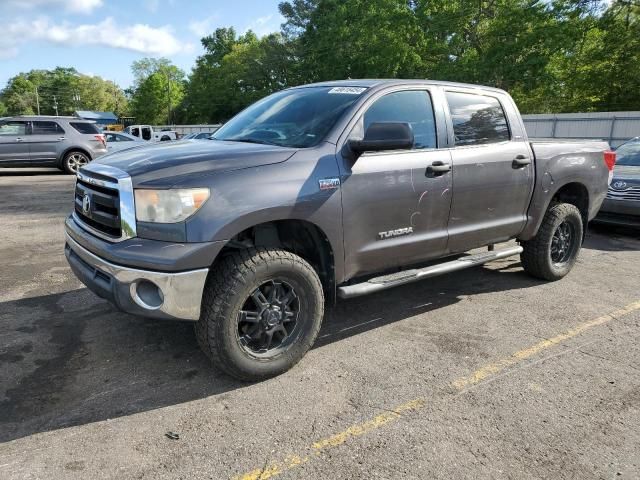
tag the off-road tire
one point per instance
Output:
(536, 257)
(230, 283)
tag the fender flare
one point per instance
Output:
(73, 149)
(534, 221)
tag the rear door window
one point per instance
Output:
(477, 119)
(13, 128)
(411, 106)
(46, 128)
(85, 128)
(146, 133)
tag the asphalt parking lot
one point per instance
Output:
(485, 373)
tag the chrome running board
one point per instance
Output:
(408, 276)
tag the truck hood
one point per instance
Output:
(165, 164)
(627, 172)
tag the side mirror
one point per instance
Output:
(384, 136)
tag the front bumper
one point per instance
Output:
(619, 212)
(166, 295)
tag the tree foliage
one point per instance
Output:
(235, 71)
(157, 92)
(551, 55)
(65, 87)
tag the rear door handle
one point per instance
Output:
(520, 161)
(438, 168)
(19, 139)
(62, 138)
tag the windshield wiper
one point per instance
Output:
(250, 140)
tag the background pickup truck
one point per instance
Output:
(328, 190)
(147, 132)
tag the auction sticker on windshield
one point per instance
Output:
(348, 90)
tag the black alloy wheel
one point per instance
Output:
(562, 243)
(268, 319)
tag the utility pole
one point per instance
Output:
(168, 99)
(37, 101)
(115, 97)
(55, 104)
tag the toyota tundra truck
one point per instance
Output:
(321, 193)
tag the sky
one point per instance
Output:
(104, 37)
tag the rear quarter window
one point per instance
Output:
(85, 128)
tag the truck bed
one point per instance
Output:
(567, 164)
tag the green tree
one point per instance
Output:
(95, 93)
(235, 71)
(61, 87)
(551, 55)
(355, 38)
(599, 70)
(158, 90)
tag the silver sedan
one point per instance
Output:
(117, 141)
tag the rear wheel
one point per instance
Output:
(551, 254)
(73, 161)
(261, 312)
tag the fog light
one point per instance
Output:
(147, 295)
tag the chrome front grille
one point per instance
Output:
(104, 203)
(630, 193)
(98, 207)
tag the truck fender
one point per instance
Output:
(281, 215)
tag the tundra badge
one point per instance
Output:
(395, 233)
(329, 183)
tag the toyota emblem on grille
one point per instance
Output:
(619, 185)
(86, 204)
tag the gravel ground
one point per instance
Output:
(486, 373)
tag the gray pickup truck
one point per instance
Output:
(327, 190)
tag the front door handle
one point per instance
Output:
(438, 168)
(520, 161)
(19, 139)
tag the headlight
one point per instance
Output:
(169, 206)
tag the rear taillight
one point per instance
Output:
(610, 159)
(101, 138)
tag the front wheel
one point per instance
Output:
(551, 254)
(261, 312)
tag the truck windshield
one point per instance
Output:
(300, 118)
(629, 154)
